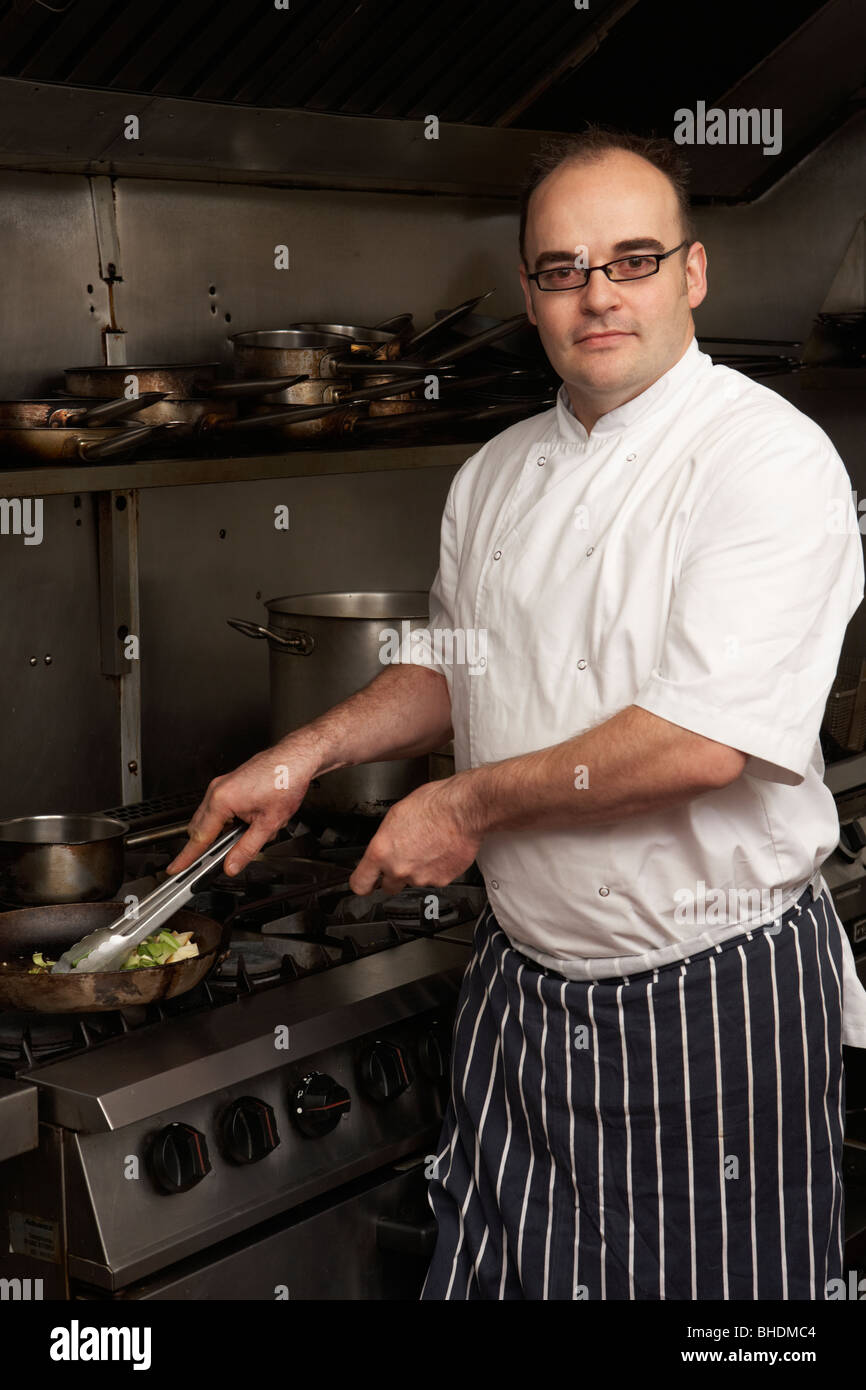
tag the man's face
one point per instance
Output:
(611, 340)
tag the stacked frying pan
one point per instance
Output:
(72, 429)
(300, 384)
(380, 381)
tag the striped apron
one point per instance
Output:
(675, 1134)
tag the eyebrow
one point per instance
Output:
(621, 248)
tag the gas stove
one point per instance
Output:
(206, 1146)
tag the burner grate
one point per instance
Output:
(156, 810)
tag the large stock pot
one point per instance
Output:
(324, 647)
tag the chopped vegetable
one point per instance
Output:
(40, 965)
(161, 948)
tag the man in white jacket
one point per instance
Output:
(647, 1069)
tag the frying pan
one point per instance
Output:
(394, 337)
(384, 343)
(52, 929)
(68, 445)
(343, 416)
(60, 412)
(173, 393)
(68, 427)
(282, 351)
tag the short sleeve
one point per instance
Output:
(441, 603)
(771, 573)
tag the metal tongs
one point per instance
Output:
(106, 948)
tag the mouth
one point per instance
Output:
(613, 336)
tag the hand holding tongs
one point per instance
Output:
(106, 948)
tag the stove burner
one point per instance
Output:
(33, 1037)
(427, 908)
(254, 964)
(412, 905)
(259, 960)
(363, 938)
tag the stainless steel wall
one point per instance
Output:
(212, 553)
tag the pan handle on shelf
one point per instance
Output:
(368, 366)
(107, 411)
(447, 321)
(490, 335)
(259, 387)
(294, 640)
(400, 325)
(121, 443)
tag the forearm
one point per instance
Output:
(633, 763)
(403, 713)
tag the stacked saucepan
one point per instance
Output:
(299, 384)
(369, 381)
(314, 381)
(73, 429)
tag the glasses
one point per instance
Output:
(572, 277)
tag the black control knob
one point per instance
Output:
(434, 1052)
(249, 1130)
(178, 1158)
(384, 1070)
(319, 1103)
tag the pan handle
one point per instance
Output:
(282, 415)
(375, 393)
(447, 321)
(107, 411)
(490, 335)
(380, 366)
(294, 640)
(399, 325)
(259, 387)
(151, 837)
(121, 443)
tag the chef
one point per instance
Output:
(647, 1071)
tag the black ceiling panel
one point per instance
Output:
(516, 63)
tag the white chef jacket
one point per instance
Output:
(681, 558)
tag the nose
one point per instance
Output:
(599, 294)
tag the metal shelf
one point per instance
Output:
(45, 481)
(65, 129)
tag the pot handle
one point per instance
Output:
(294, 640)
(120, 443)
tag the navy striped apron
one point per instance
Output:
(675, 1134)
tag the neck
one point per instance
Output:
(589, 408)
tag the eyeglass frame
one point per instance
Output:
(657, 256)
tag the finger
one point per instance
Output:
(195, 846)
(248, 846)
(366, 874)
(203, 828)
(391, 885)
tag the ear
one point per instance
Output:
(527, 295)
(696, 274)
